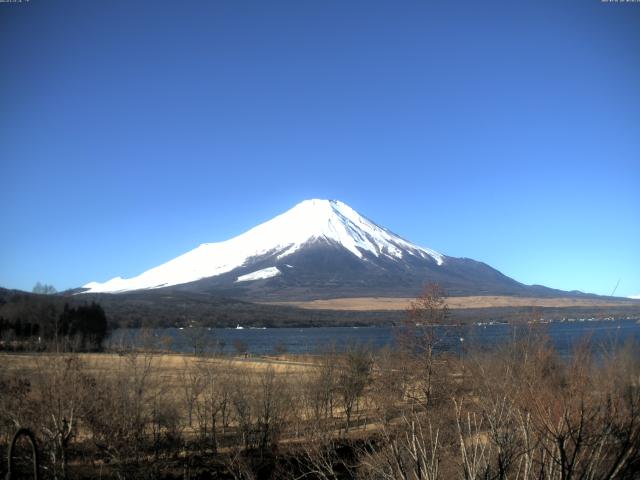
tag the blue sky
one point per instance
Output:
(507, 132)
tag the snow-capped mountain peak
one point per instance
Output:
(309, 222)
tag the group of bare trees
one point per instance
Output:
(109, 414)
(529, 414)
(410, 413)
(225, 403)
(515, 412)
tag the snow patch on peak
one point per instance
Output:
(259, 274)
(635, 297)
(337, 221)
(115, 285)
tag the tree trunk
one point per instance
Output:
(214, 439)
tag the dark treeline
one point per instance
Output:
(40, 322)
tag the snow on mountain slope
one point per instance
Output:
(259, 275)
(309, 221)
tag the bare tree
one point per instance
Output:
(421, 334)
(212, 399)
(198, 339)
(191, 383)
(63, 390)
(320, 459)
(320, 389)
(123, 410)
(353, 376)
(44, 289)
(410, 452)
(241, 402)
(273, 408)
(474, 449)
(391, 382)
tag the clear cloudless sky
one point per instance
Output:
(507, 132)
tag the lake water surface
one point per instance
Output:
(564, 336)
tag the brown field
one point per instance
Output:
(395, 304)
(166, 365)
(166, 373)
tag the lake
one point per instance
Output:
(603, 334)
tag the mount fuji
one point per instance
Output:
(319, 249)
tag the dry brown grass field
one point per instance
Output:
(395, 304)
(166, 365)
(167, 372)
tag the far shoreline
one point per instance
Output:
(363, 304)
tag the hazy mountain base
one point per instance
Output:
(323, 270)
(162, 308)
